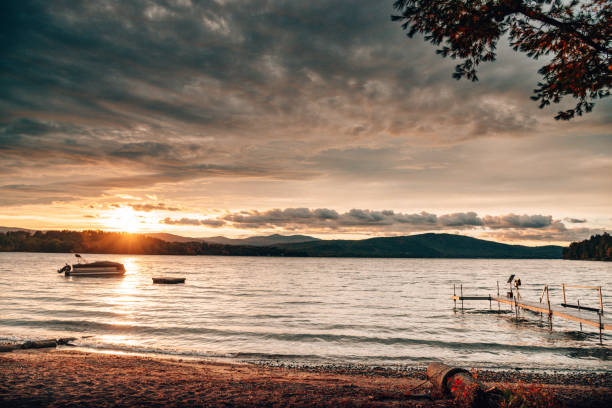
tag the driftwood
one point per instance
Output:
(36, 344)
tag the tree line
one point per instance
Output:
(102, 242)
(597, 248)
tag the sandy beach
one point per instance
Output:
(60, 377)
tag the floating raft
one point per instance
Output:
(168, 281)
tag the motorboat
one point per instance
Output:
(99, 268)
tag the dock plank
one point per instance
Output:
(455, 297)
(574, 315)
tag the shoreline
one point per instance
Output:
(345, 366)
(62, 377)
(322, 363)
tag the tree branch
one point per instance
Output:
(568, 27)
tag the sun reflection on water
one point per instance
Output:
(118, 339)
(126, 295)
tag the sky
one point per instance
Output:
(239, 118)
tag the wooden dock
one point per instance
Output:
(584, 315)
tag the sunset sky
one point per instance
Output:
(237, 118)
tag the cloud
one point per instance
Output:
(148, 207)
(320, 218)
(575, 220)
(193, 221)
(517, 221)
(546, 235)
(143, 149)
(233, 76)
(460, 220)
(320, 103)
(328, 218)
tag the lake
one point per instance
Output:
(388, 312)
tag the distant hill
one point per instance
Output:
(172, 237)
(269, 240)
(14, 229)
(263, 240)
(422, 246)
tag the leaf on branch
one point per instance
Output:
(577, 34)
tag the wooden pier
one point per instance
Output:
(582, 314)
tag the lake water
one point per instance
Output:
(307, 310)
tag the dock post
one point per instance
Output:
(454, 294)
(462, 297)
(563, 287)
(600, 328)
(498, 304)
(516, 311)
(600, 299)
(549, 309)
(579, 312)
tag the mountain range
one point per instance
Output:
(428, 245)
(412, 246)
(14, 229)
(260, 240)
(422, 246)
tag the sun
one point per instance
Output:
(123, 219)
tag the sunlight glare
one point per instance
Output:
(123, 219)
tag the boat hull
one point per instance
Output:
(104, 271)
(103, 268)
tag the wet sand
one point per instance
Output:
(65, 378)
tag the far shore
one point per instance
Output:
(60, 377)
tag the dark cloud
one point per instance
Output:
(422, 218)
(29, 127)
(218, 68)
(144, 149)
(148, 207)
(193, 221)
(460, 220)
(387, 219)
(518, 221)
(575, 220)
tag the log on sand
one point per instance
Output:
(36, 344)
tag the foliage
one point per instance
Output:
(597, 248)
(465, 394)
(523, 395)
(575, 34)
(101, 242)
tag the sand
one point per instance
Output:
(66, 378)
